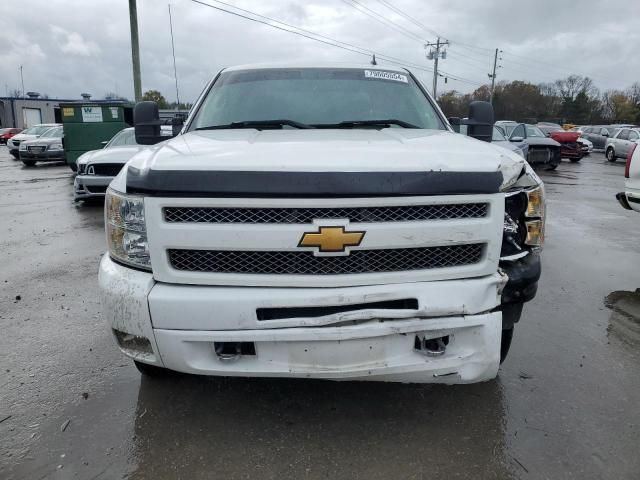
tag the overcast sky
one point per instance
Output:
(71, 46)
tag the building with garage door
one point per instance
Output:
(18, 112)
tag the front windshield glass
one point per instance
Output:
(122, 138)
(497, 136)
(52, 132)
(316, 96)
(534, 131)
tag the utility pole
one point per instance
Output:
(435, 54)
(492, 76)
(135, 50)
(173, 51)
(22, 80)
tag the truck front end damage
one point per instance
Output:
(414, 288)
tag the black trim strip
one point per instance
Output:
(207, 183)
(633, 199)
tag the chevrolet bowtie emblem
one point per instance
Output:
(331, 239)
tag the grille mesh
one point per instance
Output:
(307, 215)
(305, 263)
(107, 169)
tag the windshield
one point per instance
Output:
(52, 132)
(498, 136)
(37, 130)
(316, 96)
(534, 131)
(508, 128)
(122, 138)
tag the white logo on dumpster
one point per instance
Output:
(91, 114)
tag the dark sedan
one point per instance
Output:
(46, 148)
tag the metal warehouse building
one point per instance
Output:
(28, 111)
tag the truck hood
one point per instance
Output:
(391, 150)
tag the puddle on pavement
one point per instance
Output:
(624, 322)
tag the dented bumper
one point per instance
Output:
(185, 325)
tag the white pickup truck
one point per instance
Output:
(320, 222)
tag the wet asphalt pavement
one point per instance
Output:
(565, 404)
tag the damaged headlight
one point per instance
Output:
(524, 219)
(126, 229)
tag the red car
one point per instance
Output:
(7, 133)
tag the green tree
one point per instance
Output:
(155, 96)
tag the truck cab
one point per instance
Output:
(320, 221)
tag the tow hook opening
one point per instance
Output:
(231, 351)
(431, 347)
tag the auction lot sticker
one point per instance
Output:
(91, 114)
(380, 75)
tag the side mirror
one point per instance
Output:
(480, 121)
(516, 139)
(605, 134)
(104, 143)
(548, 134)
(146, 122)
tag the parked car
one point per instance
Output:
(521, 148)
(506, 126)
(621, 143)
(276, 231)
(46, 148)
(630, 198)
(598, 135)
(97, 168)
(543, 151)
(570, 145)
(7, 133)
(499, 139)
(28, 134)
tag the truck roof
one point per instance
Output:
(364, 66)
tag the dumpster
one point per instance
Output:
(88, 124)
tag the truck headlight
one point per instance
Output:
(524, 220)
(22, 147)
(55, 146)
(126, 229)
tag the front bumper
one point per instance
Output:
(90, 186)
(46, 156)
(183, 322)
(629, 200)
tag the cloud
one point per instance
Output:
(73, 43)
(86, 44)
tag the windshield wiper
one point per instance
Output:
(367, 123)
(258, 125)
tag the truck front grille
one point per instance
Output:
(307, 215)
(305, 263)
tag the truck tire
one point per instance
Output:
(551, 166)
(15, 154)
(611, 155)
(29, 163)
(505, 343)
(150, 370)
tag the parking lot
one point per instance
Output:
(565, 404)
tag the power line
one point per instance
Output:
(409, 17)
(309, 35)
(381, 19)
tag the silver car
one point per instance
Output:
(97, 168)
(620, 144)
